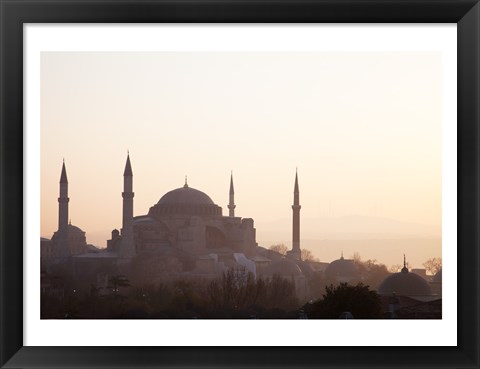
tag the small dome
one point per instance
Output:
(343, 270)
(284, 267)
(404, 284)
(74, 229)
(185, 196)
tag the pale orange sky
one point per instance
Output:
(364, 130)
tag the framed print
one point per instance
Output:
(340, 139)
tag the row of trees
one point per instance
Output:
(233, 295)
(236, 290)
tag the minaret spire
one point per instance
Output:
(296, 251)
(231, 204)
(127, 248)
(63, 175)
(128, 168)
(295, 190)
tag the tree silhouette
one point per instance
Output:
(395, 268)
(307, 255)
(280, 248)
(373, 273)
(237, 290)
(358, 300)
(433, 265)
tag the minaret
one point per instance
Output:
(127, 248)
(296, 252)
(231, 204)
(63, 202)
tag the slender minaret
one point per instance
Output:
(63, 202)
(127, 248)
(231, 204)
(296, 252)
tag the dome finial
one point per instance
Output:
(70, 222)
(404, 269)
(341, 257)
(186, 184)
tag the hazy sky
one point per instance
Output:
(364, 130)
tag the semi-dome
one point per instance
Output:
(185, 196)
(284, 267)
(342, 270)
(142, 219)
(404, 283)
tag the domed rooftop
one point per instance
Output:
(404, 283)
(343, 270)
(284, 267)
(185, 201)
(71, 231)
(185, 196)
(74, 229)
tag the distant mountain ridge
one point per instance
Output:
(347, 227)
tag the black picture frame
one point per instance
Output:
(15, 13)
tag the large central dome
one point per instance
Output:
(185, 201)
(185, 196)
